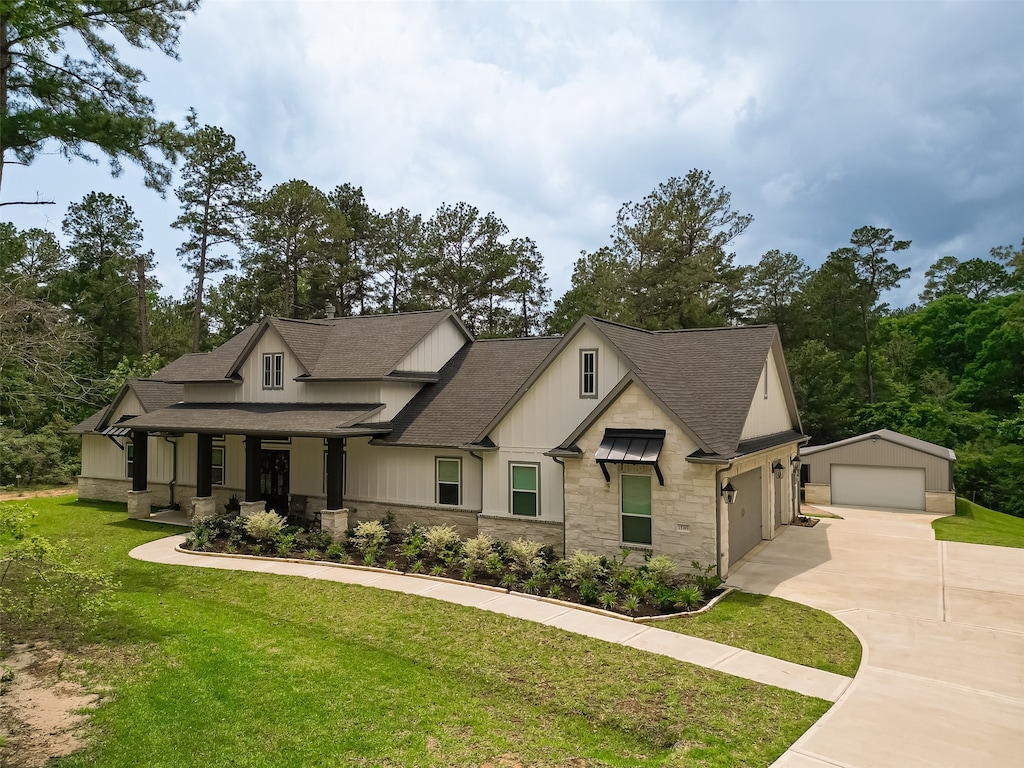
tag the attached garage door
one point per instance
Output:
(745, 515)
(895, 487)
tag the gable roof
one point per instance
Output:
(472, 388)
(152, 395)
(893, 437)
(704, 378)
(340, 349)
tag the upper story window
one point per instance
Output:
(588, 373)
(449, 481)
(273, 370)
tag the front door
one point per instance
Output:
(274, 480)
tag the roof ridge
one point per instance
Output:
(715, 328)
(620, 325)
(519, 338)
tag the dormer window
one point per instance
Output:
(588, 373)
(273, 370)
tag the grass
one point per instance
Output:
(209, 667)
(778, 628)
(974, 524)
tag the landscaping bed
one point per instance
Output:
(657, 586)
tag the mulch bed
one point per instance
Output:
(805, 522)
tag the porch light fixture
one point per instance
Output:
(777, 469)
(795, 461)
(729, 492)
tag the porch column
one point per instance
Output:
(335, 471)
(204, 465)
(253, 448)
(139, 495)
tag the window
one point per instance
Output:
(273, 370)
(636, 509)
(588, 373)
(217, 465)
(524, 484)
(129, 457)
(449, 481)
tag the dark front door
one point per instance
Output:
(274, 480)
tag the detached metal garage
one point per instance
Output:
(881, 469)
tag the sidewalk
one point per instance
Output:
(704, 653)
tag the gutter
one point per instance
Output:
(562, 463)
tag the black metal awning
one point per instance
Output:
(631, 446)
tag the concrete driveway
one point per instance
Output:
(942, 624)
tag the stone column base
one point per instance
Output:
(334, 521)
(251, 507)
(139, 504)
(203, 507)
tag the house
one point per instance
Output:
(881, 469)
(608, 437)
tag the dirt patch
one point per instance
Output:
(39, 716)
(14, 496)
(808, 511)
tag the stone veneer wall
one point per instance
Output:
(940, 502)
(106, 489)
(683, 519)
(816, 493)
(510, 528)
(463, 520)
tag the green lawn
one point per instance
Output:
(975, 524)
(212, 667)
(778, 628)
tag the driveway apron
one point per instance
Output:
(941, 682)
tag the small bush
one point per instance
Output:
(588, 591)
(493, 564)
(334, 551)
(320, 539)
(442, 541)
(257, 549)
(285, 544)
(312, 553)
(416, 567)
(631, 604)
(582, 567)
(413, 542)
(437, 570)
(477, 550)
(532, 585)
(508, 581)
(608, 600)
(689, 597)
(662, 569)
(525, 557)
(391, 565)
(370, 538)
(264, 526)
(704, 576)
(555, 591)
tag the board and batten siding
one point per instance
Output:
(404, 475)
(497, 498)
(769, 413)
(435, 349)
(252, 390)
(879, 452)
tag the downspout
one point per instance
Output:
(481, 460)
(718, 516)
(564, 539)
(174, 470)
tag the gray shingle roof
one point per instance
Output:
(707, 376)
(473, 387)
(210, 366)
(152, 396)
(271, 419)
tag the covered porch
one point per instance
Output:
(264, 445)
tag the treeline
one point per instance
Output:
(78, 319)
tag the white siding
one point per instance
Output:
(101, 458)
(553, 408)
(769, 414)
(212, 393)
(339, 392)
(496, 492)
(436, 349)
(252, 372)
(395, 395)
(129, 406)
(404, 475)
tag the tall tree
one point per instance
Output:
(62, 80)
(976, 279)
(286, 244)
(350, 228)
(217, 190)
(771, 289)
(395, 259)
(104, 239)
(867, 256)
(597, 280)
(528, 287)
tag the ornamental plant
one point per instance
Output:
(582, 566)
(525, 557)
(264, 526)
(442, 542)
(370, 538)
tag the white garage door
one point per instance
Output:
(895, 487)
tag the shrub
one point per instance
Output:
(631, 604)
(555, 591)
(662, 569)
(689, 597)
(608, 600)
(264, 526)
(369, 537)
(388, 521)
(508, 581)
(334, 551)
(416, 567)
(257, 549)
(285, 544)
(477, 550)
(320, 539)
(533, 584)
(525, 557)
(704, 576)
(582, 567)
(312, 553)
(588, 591)
(413, 542)
(437, 570)
(391, 565)
(442, 541)
(493, 564)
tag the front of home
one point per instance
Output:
(608, 437)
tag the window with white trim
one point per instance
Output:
(217, 464)
(449, 480)
(636, 509)
(273, 370)
(588, 373)
(524, 485)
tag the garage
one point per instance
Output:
(745, 515)
(893, 487)
(882, 469)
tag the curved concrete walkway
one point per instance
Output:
(942, 623)
(724, 658)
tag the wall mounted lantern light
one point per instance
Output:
(777, 468)
(729, 492)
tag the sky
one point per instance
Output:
(817, 117)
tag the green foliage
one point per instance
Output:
(442, 542)
(582, 567)
(689, 597)
(370, 538)
(284, 544)
(334, 551)
(264, 526)
(477, 550)
(43, 585)
(661, 569)
(525, 557)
